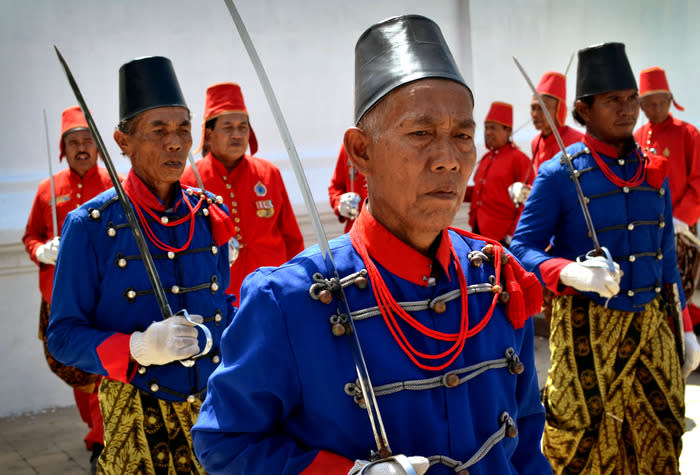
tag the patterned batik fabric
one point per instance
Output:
(614, 392)
(688, 263)
(74, 377)
(144, 434)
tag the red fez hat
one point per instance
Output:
(554, 84)
(71, 120)
(226, 98)
(653, 80)
(501, 113)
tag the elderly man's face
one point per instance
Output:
(537, 114)
(228, 140)
(81, 151)
(158, 145)
(419, 157)
(656, 106)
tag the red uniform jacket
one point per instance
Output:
(544, 148)
(71, 192)
(679, 142)
(491, 208)
(265, 225)
(343, 182)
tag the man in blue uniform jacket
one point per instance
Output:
(614, 395)
(111, 323)
(451, 361)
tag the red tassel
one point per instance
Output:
(221, 226)
(657, 170)
(525, 293)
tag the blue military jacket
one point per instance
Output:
(284, 394)
(635, 224)
(102, 292)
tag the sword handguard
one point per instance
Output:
(189, 362)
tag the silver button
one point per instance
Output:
(164, 220)
(131, 294)
(630, 226)
(621, 162)
(630, 293)
(111, 232)
(218, 317)
(78, 195)
(171, 255)
(205, 211)
(95, 214)
(625, 189)
(190, 398)
(215, 359)
(141, 370)
(214, 286)
(190, 191)
(175, 289)
(219, 199)
(632, 258)
(122, 263)
(659, 256)
(662, 191)
(154, 387)
(657, 290)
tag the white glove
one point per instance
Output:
(679, 226)
(692, 354)
(519, 192)
(165, 341)
(349, 205)
(47, 253)
(592, 275)
(389, 467)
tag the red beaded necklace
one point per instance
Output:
(390, 309)
(139, 207)
(636, 180)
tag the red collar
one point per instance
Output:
(77, 178)
(134, 186)
(220, 169)
(601, 147)
(396, 256)
(506, 147)
(661, 125)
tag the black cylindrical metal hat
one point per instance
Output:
(603, 68)
(397, 51)
(147, 83)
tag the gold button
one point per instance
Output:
(190, 398)
(632, 258)
(214, 286)
(205, 211)
(239, 237)
(630, 226)
(78, 195)
(439, 306)
(231, 195)
(142, 370)
(122, 262)
(218, 317)
(95, 214)
(233, 203)
(237, 220)
(224, 178)
(175, 289)
(338, 329)
(234, 210)
(131, 294)
(625, 189)
(452, 380)
(164, 220)
(111, 232)
(325, 296)
(630, 293)
(215, 359)
(80, 185)
(228, 186)
(214, 250)
(171, 255)
(154, 387)
(361, 282)
(237, 228)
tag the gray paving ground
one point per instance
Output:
(51, 442)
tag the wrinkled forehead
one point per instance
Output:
(420, 99)
(172, 115)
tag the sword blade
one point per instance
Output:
(158, 290)
(361, 367)
(54, 214)
(567, 159)
(197, 176)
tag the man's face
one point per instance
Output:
(420, 156)
(495, 135)
(81, 151)
(656, 106)
(159, 144)
(612, 116)
(228, 141)
(537, 114)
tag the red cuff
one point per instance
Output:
(550, 270)
(114, 355)
(687, 322)
(328, 463)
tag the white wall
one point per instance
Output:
(307, 47)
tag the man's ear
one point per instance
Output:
(582, 109)
(122, 141)
(356, 142)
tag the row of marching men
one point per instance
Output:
(262, 226)
(274, 387)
